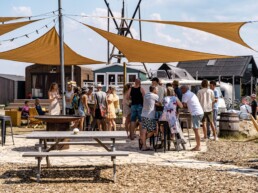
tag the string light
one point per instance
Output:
(27, 35)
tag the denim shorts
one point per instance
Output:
(196, 119)
(136, 111)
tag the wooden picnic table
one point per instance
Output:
(58, 136)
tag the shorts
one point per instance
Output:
(158, 114)
(149, 124)
(208, 116)
(196, 121)
(136, 111)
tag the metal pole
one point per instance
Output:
(125, 74)
(108, 44)
(61, 46)
(72, 72)
(251, 85)
(233, 91)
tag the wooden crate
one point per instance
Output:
(15, 116)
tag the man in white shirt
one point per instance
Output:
(207, 99)
(190, 100)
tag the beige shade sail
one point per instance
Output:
(5, 28)
(4, 19)
(227, 30)
(45, 50)
(140, 51)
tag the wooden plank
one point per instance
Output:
(254, 122)
(83, 143)
(80, 135)
(71, 154)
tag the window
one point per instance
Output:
(211, 62)
(131, 77)
(101, 79)
(120, 78)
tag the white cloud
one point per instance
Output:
(159, 30)
(22, 11)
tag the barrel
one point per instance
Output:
(228, 124)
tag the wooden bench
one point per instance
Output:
(40, 155)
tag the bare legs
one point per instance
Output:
(198, 140)
(144, 136)
(204, 127)
(111, 124)
(127, 124)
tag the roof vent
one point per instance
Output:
(211, 62)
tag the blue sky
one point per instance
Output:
(89, 44)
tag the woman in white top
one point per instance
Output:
(53, 95)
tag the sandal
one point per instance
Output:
(140, 144)
(196, 149)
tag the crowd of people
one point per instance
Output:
(142, 109)
(163, 103)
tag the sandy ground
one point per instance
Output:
(182, 162)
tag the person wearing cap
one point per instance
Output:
(83, 108)
(177, 90)
(100, 103)
(136, 94)
(161, 91)
(254, 106)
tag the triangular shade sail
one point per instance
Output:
(140, 51)
(4, 19)
(5, 28)
(45, 50)
(227, 30)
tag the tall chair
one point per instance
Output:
(5, 119)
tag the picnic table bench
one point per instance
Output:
(58, 136)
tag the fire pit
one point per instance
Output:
(58, 123)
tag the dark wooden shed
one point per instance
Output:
(12, 87)
(243, 69)
(40, 77)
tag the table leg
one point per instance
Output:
(101, 144)
(39, 160)
(4, 132)
(113, 158)
(47, 158)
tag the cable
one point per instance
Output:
(27, 34)
(30, 17)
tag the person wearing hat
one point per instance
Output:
(99, 107)
(254, 106)
(177, 90)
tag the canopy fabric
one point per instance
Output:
(45, 50)
(227, 30)
(4, 19)
(5, 28)
(140, 51)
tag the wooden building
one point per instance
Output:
(12, 87)
(242, 72)
(40, 77)
(114, 75)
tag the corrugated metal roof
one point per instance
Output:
(223, 67)
(13, 77)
